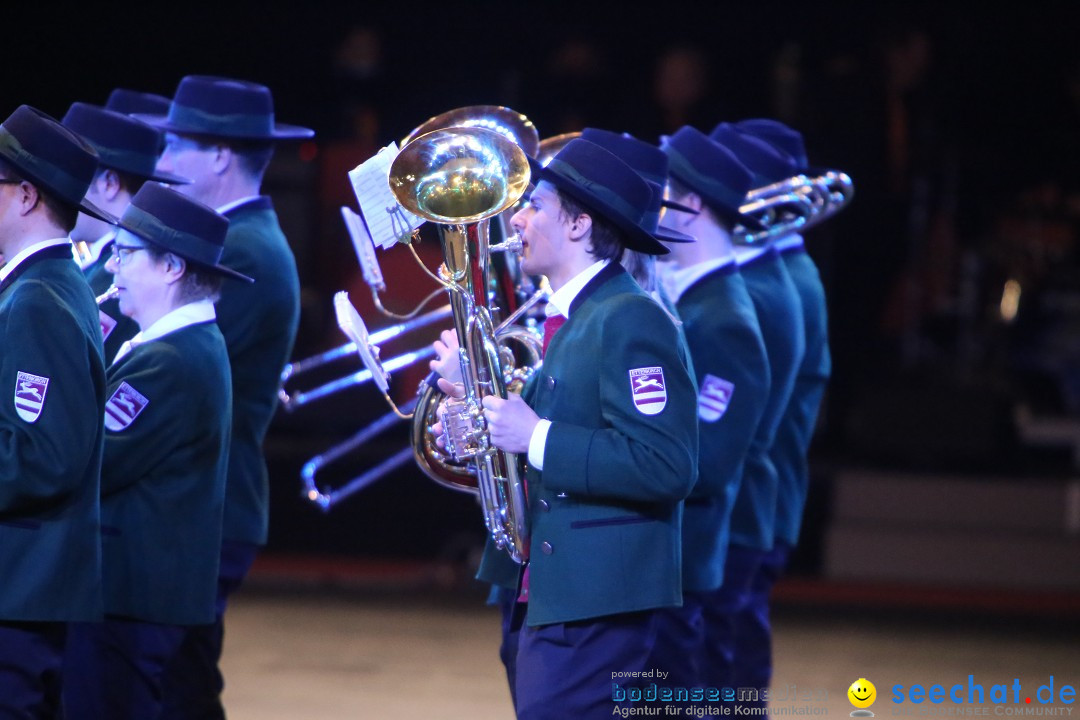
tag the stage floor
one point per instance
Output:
(330, 654)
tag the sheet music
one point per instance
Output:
(365, 248)
(386, 220)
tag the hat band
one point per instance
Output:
(681, 168)
(229, 125)
(612, 199)
(189, 246)
(130, 161)
(67, 187)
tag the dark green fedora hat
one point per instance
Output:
(51, 157)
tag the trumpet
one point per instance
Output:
(111, 293)
(783, 208)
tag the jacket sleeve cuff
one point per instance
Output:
(537, 443)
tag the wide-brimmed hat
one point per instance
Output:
(606, 185)
(712, 172)
(52, 157)
(767, 163)
(122, 143)
(780, 136)
(651, 163)
(126, 101)
(221, 107)
(180, 225)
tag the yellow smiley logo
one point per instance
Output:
(862, 693)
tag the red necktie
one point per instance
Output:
(551, 326)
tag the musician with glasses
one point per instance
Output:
(127, 152)
(168, 424)
(732, 369)
(221, 134)
(607, 426)
(51, 432)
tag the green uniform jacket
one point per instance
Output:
(259, 322)
(116, 328)
(776, 302)
(797, 425)
(606, 512)
(50, 451)
(733, 387)
(163, 478)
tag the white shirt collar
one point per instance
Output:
(93, 250)
(197, 312)
(563, 298)
(26, 252)
(235, 204)
(787, 242)
(678, 280)
(745, 254)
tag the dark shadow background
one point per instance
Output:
(961, 129)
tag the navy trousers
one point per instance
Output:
(682, 653)
(565, 670)
(113, 670)
(753, 627)
(722, 608)
(513, 617)
(31, 661)
(193, 682)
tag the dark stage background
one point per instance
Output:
(960, 128)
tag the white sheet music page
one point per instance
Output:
(386, 220)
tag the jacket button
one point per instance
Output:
(545, 505)
(546, 548)
(550, 383)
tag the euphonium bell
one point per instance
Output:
(459, 178)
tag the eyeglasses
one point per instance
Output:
(122, 253)
(10, 181)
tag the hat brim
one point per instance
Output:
(218, 269)
(672, 205)
(280, 131)
(636, 237)
(669, 235)
(168, 178)
(95, 212)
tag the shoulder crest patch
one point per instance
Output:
(123, 407)
(714, 397)
(648, 389)
(108, 324)
(30, 395)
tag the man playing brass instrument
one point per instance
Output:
(609, 431)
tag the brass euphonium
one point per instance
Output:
(459, 178)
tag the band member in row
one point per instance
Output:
(220, 134)
(131, 102)
(732, 369)
(611, 444)
(168, 423)
(127, 152)
(779, 311)
(796, 428)
(51, 432)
